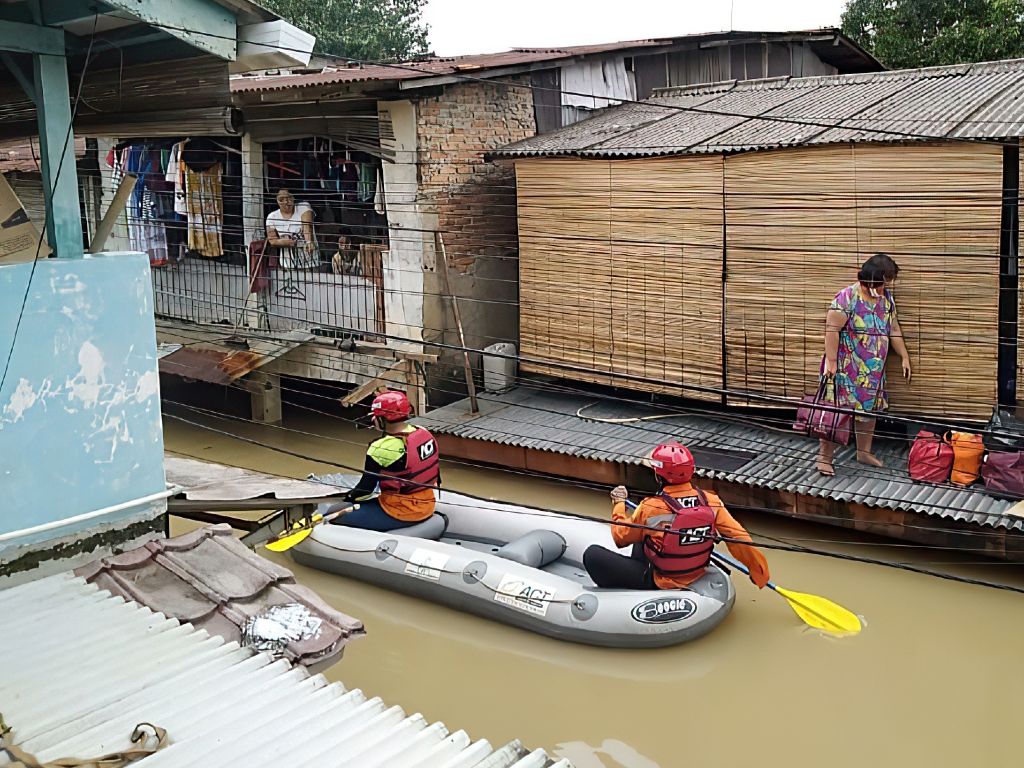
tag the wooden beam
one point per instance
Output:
(114, 211)
(24, 78)
(442, 270)
(203, 24)
(57, 148)
(59, 12)
(31, 38)
(265, 397)
(383, 381)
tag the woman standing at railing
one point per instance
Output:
(290, 228)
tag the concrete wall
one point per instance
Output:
(410, 247)
(475, 205)
(80, 425)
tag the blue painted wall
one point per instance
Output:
(80, 425)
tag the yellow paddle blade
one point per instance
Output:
(821, 614)
(299, 532)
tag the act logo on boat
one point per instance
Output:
(662, 610)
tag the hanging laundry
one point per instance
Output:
(205, 211)
(145, 232)
(367, 182)
(379, 203)
(175, 175)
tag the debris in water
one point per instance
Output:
(279, 625)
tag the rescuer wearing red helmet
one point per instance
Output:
(403, 463)
(695, 518)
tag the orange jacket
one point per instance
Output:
(726, 524)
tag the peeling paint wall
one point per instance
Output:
(80, 425)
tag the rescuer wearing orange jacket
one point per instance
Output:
(693, 520)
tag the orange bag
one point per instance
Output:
(968, 450)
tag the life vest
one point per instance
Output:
(689, 536)
(422, 464)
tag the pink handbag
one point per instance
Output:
(818, 417)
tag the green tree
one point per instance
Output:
(924, 33)
(368, 30)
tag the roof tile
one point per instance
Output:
(212, 581)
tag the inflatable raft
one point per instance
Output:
(521, 566)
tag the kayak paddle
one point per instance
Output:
(813, 610)
(301, 530)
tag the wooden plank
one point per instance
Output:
(442, 269)
(203, 24)
(385, 380)
(32, 38)
(57, 148)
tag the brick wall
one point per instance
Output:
(475, 200)
(475, 203)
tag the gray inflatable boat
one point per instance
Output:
(521, 566)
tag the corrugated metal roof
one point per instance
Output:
(963, 101)
(847, 55)
(205, 481)
(782, 460)
(214, 582)
(82, 669)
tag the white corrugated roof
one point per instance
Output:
(82, 669)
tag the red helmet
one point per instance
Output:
(391, 406)
(672, 462)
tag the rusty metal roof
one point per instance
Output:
(978, 101)
(219, 362)
(841, 50)
(83, 668)
(208, 579)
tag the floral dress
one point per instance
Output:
(863, 348)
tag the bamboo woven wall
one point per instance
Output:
(621, 270)
(621, 266)
(807, 218)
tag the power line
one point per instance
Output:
(887, 133)
(761, 544)
(653, 436)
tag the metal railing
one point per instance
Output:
(207, 291)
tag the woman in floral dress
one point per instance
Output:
(859, 328)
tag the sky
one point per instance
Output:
(486, 26)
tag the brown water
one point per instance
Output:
(933, 680)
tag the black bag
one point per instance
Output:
(1004, 432)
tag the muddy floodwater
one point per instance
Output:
(934, 680)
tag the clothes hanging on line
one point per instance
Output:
(205, 204)
(145, 231)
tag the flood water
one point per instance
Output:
(933, 680)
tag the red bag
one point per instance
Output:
(1003, 473)
(931, 458)
(824, 423)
